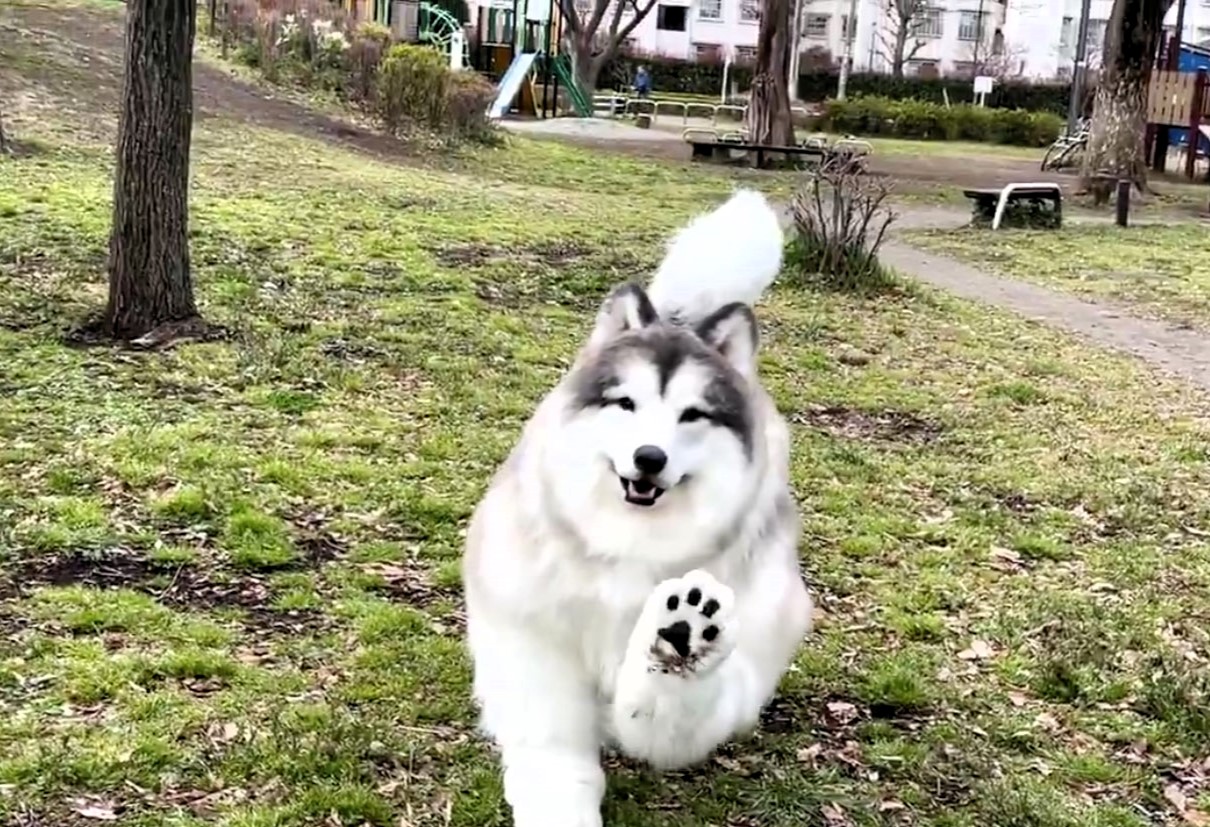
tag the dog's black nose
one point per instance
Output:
(650, 459)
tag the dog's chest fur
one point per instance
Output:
(592, 605)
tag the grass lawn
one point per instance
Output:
(1162, 271)
(229, 572)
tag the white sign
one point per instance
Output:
(984, 84)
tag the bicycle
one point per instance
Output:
(1066, 149)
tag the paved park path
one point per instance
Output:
(1170, 347)
(1167, 346)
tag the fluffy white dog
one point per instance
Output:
(632, 575)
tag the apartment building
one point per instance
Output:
(1043, 51)
(951, 37)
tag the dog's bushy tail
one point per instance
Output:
(731, 254)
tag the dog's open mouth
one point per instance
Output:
(640, 491)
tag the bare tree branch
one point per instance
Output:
(567, 8)
(915, 50)
(902, 19)
(639, 14)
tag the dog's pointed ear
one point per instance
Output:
(732, 331)
(626, 308)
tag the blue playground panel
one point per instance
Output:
(1191, 59)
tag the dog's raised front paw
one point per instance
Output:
(686, 626)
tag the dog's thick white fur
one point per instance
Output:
(632, 576)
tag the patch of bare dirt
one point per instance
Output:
(1018, 503)
(549, 254)
(312, 537)
(195, 586)
(869, 426)
(96, 37)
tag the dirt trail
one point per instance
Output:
(94, 39)
(1177, 350)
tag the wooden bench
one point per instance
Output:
(721, 149)
(990, 204)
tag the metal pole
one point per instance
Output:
(1076, 105)
(1174, 59)
(795, 50)
(847, 60)
(978, 38)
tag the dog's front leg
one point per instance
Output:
(690, 679)
(543, 714)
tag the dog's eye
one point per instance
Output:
(624, 402)
(693, 415)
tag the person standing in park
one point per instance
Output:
(642, 82)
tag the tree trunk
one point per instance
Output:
(900, 49)
(1119, 114)
(768, 120)
(4, 147)
(149, 278)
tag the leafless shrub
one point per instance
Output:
(840, 220)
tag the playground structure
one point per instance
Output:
(1178, 107)
(439, 28)
(518, 45)
(414, 21)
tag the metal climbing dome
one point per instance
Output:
(442, 29)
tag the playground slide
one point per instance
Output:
(510, 84)
(579, 100)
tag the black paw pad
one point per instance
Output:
(710, 608)
(694, 597)
(710, 632)
(678, 636)
(673, 602)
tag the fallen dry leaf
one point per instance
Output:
(1006, 559)
(1190, 815)
(834, 816)
(807, 755)
(842, 711)
(1018, 698)
(1047, 721)
(1174, 796)
(979, 650)
(889, 805)
(93, 810)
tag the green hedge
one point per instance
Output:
(706, 78)
(1034, 97)
(931, 121)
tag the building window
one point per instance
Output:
(710, 10)
(923, 68)
(1065, 32)
(707, 52)
(1096, 34)
(970, 25)
(671, 18)
(930, 24)
(745, 54)
(964, 68)
(816, 25)
(749, 11)
(844, 24)
(1203, 34)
